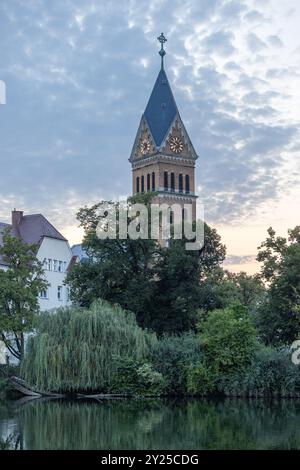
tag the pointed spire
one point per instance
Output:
(161, 108)
(162, 52)
(161, 111)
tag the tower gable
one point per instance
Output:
(177, 141)
(144, 142)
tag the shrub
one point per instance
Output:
(271, 373)
(228, 338)
(150, 382)
(172, 356)
(136, 378)
(201, 379)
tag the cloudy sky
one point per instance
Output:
(78, 75)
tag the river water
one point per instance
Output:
(150, 424)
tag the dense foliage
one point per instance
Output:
(278, 318)
(271, 373)
(103, 349)
(137, 378)
(173, 356)
(134, 272)
(219, 333)
(20, 286)
(76, 349)
(228, 339)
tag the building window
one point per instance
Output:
(166, 182)
(137, 184)
(44, 294)
(67, 294)
(143, 184)
(65, 266)
(148, 182)
(49, 264)
(172, 182)
(180, 183)
(187, 184)
(60, 266)
(59, 292)
(153, 181)
(55, 265)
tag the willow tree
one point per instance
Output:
(79, 349)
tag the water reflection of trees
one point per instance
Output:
(157, 424)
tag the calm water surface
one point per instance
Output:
(150, 424)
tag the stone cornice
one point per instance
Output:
(162, 158)
(175, 194)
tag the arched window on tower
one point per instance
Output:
(180, 183)
(172, 182)
(153, 181)
(187, 184)
(142, 184)
(148, 182)
(137, 184)
(166, 182)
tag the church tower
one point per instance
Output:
(163, 157)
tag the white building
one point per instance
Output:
(53, 251)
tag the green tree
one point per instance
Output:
(118, 270)
(134, 272)
(228, 337)
(228, 340)
(81, 349)
(20, 286)
(278, 319)
(250, 289)
(221, 288)
(181, 276)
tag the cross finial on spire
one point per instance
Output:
(162, 52)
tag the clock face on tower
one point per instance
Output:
(176, 144)
(145, 146)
